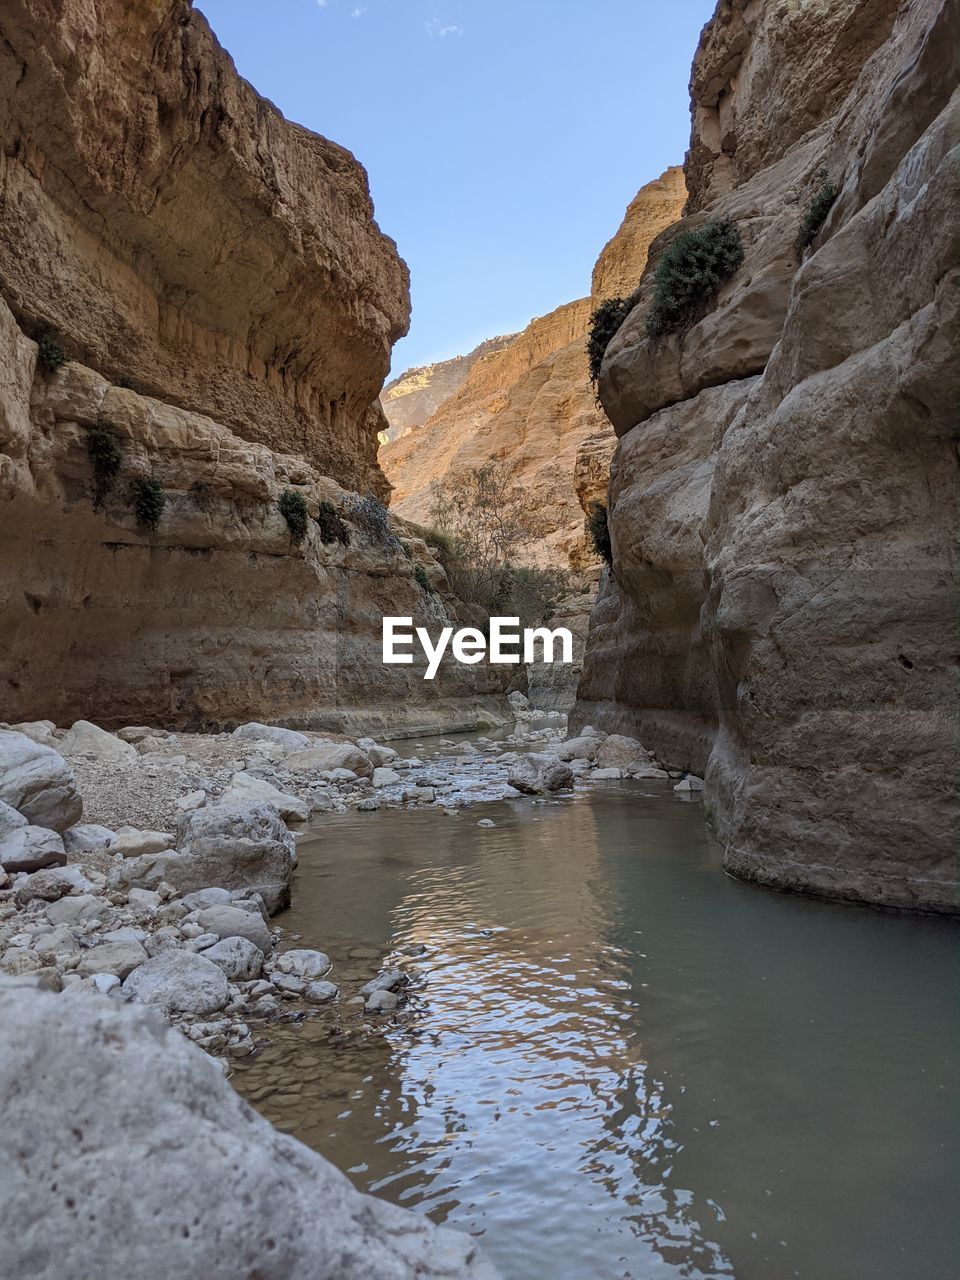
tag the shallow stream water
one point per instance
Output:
(618, 1062)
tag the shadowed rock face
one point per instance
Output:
(784, 495)
(180, 233)
(531, 403)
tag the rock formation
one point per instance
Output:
(783, 500)
(180, 234)
(147, 1161)
(409, 400)
(531, 403)
(228, 306)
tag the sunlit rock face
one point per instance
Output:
(182, 235)
(531, 404)
(415, 395)
(783, 499)
(228, 307)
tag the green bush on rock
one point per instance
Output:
(598, 531)
(293, 508)
(50, 354)
(106, 455)
(332, 528)
(816, 214)
(148, 503)
(690, 272)
(604, 323)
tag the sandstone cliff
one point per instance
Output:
(531, 403)
(229, 303)
(181, 235)
(784, 495)
(409, 400)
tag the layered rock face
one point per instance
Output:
(409, 400)
(218, 616)
(784, 495)
(229, 303)
(180, 234)
(531, 404)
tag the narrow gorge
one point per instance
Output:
(329, 953)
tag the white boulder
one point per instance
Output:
(37, 782)
(86, 739)
(326, 756)
(235, 847)
(179, 982)
(246, 789)
(289, 739)
(222, 1194)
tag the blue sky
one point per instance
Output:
(503, 138)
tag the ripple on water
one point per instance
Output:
(616, 1062)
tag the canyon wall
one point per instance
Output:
(531, 405)
(410, 399)
(783, 501)
(182, 236)
(228, 303)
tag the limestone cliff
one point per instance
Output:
(783, 498)
(531, 403)
(182, 236)
(410, 399)
(229, 305)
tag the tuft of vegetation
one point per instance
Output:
(424, 583)
(106, 455)
(50, 353)
(816, 215)
(372, 517)
(332, 528)
(604, 323)
(438, 541)
(148, 501)
(598, 532)
(293, 508)
(689, 273)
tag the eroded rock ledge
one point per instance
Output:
(181, 234)
(784, 495)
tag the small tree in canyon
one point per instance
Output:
(485, 524)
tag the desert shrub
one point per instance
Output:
(438, 541)
(690, 271)
(372, 517)
(598, 532)
(50, 353)
(148, 502)
(293, 508)
(106, 455)
(332, 528)
(201, 495)
(816, 215)
(487, 523)
(423, 581)
(604, 323)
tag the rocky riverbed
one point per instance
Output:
(146, 865)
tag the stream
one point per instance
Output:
(616, 1061)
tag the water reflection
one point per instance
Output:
(617, 1063)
